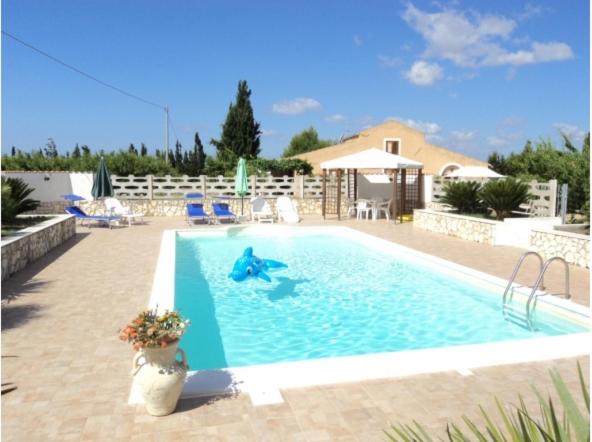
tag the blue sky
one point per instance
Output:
(475, 76)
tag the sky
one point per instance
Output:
(475, 76)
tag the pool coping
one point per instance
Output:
(264, 378)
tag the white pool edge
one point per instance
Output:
(374, 366)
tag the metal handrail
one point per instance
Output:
(517, 268)
(540, 278)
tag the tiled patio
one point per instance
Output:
(60, 319)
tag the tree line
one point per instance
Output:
(543, 161)
(240, 137)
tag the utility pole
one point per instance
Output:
(166, 134)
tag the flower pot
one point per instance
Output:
(160, 377)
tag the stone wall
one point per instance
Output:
(176, 207)
(33, 242)
(465, 227)
(50, 208)
(572, 247)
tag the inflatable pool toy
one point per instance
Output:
(249, 265)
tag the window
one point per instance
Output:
(392, 145)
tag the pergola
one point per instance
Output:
(373, 158)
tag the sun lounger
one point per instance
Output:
(221, 211)
(195, 212)
(115, 208)
(82, 216)
(286, 210)
(260, 210)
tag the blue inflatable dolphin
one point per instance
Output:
(249, 265)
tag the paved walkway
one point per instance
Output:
(60, 319)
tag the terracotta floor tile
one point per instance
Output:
(60, 349)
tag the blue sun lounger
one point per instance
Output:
(221, 211)
(196, 212)
(80, 215)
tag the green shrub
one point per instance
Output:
(279, 167)
(463, 196)
(518, 423)
(504, 196)
(14, 199)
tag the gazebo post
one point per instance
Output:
(420, 188)
(394, 207)
(355, 184)
(339, 194)
(403, 192)
(324, 201)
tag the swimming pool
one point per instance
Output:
(340, 296)
(349, 307)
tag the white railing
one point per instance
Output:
(170, 187)
(544, 195)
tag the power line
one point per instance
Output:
(69, 66)
(173, 126)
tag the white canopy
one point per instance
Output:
(373, 158)
(474, 172)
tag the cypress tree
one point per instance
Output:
(51, 150)
(143, 150)
(185, 169)
(199, 156)
(76, 151)
(13, 151)
(132, 149)
(240, 131)
(177, 157)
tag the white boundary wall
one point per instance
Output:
(50, 186)
(544, 202)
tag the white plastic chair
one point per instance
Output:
(286, 210)
(363, 206)
(384, 207)
(260, 210)
(115, 208)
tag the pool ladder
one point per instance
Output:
(525, 316)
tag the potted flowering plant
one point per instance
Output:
(151, 330)
(156, 369)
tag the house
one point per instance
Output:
(394, 137)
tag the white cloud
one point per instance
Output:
(463, 135)
(427, 128)
(509, 132)
(498, 141)
(477, 41)
(540, 52)
(573, 132)
(531, 11)
(358, 40)
(504, 139)
(267, 133)
(513, 122)
(423, 73)
(388, 61)
(296, 106)
(365, 121)
(336, 118)
(434, 138)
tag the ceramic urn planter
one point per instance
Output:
(160, 377)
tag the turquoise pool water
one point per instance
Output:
(338, 297)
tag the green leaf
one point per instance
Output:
(510, 427)
(581, 425)
(584, 387)
(474, 429)
(492, 429)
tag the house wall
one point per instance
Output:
(50, 186)
(412, 145)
